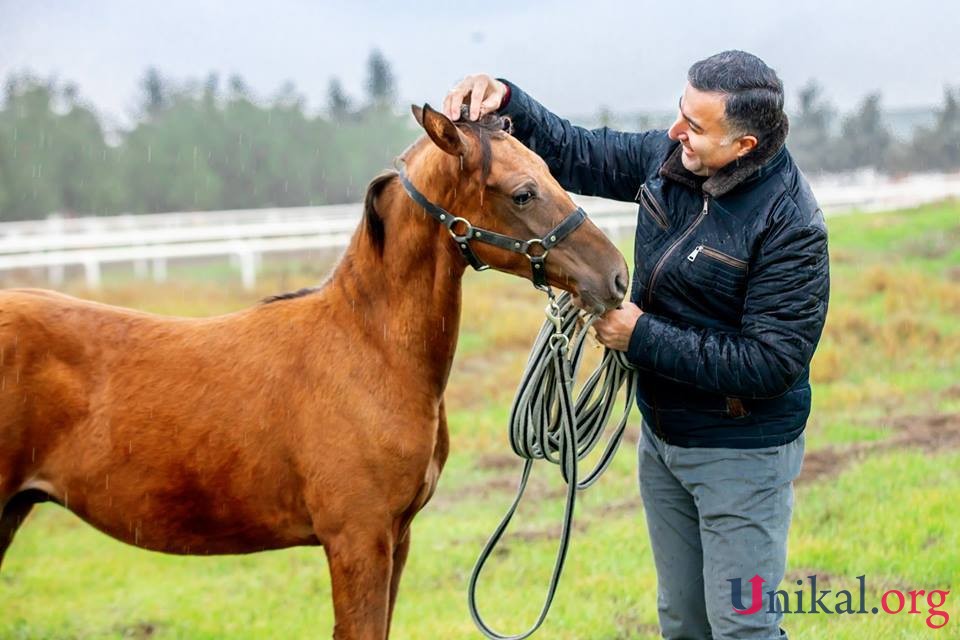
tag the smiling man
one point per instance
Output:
(728, 302)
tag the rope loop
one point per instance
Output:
(548, 423)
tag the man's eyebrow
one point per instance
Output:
(692, 122)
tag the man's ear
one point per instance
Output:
(441, 130)
(746, 144)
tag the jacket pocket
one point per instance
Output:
(649, 204)
(714, 254)
(714, 283)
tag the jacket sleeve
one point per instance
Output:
(598, 162)
(784, 314)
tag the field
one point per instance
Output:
(877, 496)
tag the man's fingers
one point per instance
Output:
(491, 104)
(451, 105)
(476, 97)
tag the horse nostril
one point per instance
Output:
(620, 285)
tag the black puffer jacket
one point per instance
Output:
(731, 272)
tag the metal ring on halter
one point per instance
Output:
(456, 236)
(526, 249)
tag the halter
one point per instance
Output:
(464, 233)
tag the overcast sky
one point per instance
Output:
(574, 56)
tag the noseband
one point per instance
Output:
(464, 233)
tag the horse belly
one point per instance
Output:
(177, 512)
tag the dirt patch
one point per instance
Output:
(791, 578)
(630, 505)
(799, 579)
(507, 481)
(497, 461)
(630, 627)
(548, 533)
(952, 393)
(930, 433)
(933, 245)
(139, 631)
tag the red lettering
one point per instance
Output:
(883, 601)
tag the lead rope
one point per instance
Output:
(546, 422)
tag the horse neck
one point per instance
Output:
(406, 299)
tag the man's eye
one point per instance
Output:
(522, 197)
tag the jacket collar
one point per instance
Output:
(756, 164)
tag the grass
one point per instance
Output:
(889, 358)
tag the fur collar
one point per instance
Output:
(733, 174)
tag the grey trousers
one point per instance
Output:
(716, 515)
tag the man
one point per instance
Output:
(728, 301)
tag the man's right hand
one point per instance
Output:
(484, 93)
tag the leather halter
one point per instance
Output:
(464, 233)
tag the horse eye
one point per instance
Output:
(522, 197)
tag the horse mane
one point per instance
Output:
(299, 293)
(371, 218)
(372, 222)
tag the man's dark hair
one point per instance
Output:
(754, 103)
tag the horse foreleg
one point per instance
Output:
(12, 516)
(399, 560)
(361, 564)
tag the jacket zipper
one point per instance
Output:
(737, 263)
(648, 202)
(673, 247)
(658, 429)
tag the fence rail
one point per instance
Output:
(149, 241)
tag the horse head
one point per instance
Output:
(509, 212)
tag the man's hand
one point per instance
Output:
(615, 327)
(485, 94)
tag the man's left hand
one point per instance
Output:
(615, 327)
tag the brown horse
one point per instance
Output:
(312, 418)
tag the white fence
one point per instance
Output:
(148, 242)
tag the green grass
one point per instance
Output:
(891, 349)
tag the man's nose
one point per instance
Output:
(676, 130)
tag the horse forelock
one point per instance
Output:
(486, 128)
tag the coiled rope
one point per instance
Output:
(547, 423)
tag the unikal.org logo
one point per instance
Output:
(893, 601)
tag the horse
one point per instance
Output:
(312, 418)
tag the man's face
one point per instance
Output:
(703, 131)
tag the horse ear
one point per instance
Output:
(442, 131)
(417, 114)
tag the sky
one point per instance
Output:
(573, 56)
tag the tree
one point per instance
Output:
(211, 89)
(154, 92)
(380, 83)
(52, 160)
(238, 88)
(811, 130)
(865, 140)
(338, 102)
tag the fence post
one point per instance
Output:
(248, 268)
(159, 269)
(91, 270)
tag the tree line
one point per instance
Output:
(210, 144)
(194, 146)
(822, 142)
